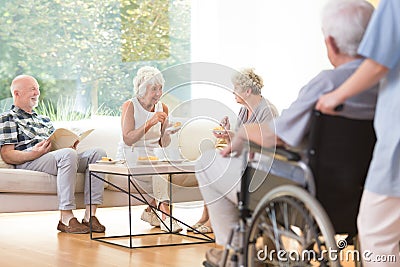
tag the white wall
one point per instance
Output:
(281, 39)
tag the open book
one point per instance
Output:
(63, 138)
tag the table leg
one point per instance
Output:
(130, 211)
(90, 203)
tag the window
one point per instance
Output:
(85, 53)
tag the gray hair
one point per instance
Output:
(145, 76)
(246, 78)
(346, 22)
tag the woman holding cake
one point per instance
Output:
(255, 108)
(144, 121)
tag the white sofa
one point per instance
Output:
(23, 190)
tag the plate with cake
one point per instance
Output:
(219, 130)
(107, 160)
(174, 126)
(148, 160)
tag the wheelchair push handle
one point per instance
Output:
(339, 107)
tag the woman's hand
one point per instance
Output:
(225, 123)
(368, 74)
(157, 117)
(226, 135)
(236, 146)
(328, 102)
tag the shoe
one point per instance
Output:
(150, 217)
(74, 227)
(204, 229)
(97, 227)
(194, 227)
(176, 228)
(214, 256)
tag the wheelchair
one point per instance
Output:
(287, 223)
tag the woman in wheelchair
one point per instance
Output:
(219, 181)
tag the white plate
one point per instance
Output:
(221, 131)
(107, 161)
(174, 160)
(172, 128)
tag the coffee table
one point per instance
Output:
(164, 168)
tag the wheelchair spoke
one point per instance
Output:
(285, 225)
(276, 231)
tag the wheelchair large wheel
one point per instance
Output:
(290, 228)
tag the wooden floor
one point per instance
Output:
(31, 239)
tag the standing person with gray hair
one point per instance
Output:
(219, 182)
(379, 217)
(24, 142)
(144, 121)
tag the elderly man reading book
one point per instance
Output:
(24, 142)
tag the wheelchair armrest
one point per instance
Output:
(289, 155)
(280, 152)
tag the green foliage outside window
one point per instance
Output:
(141, 22)
(81, 49)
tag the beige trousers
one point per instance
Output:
(379, 229)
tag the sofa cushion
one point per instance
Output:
(196, 137)
(24, 181)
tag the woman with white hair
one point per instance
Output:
(255, 108)
(143, 122)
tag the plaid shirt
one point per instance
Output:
(22, 129)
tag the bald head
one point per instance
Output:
(25, 91)
(20, 81)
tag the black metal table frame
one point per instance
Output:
(199, 240)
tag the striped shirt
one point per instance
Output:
(22, 129)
